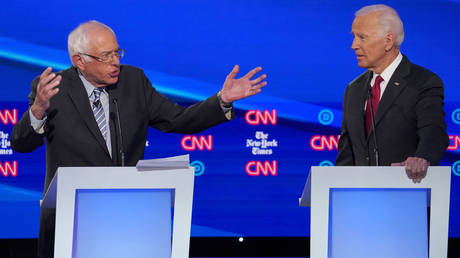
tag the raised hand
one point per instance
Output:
(235, 89)
(46, 89)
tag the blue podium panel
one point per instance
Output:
(120, 223)
(378, 223)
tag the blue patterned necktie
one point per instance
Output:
(98, 111)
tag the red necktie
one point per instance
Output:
(375, 99)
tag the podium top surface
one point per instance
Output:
(370, 177)
(115, 178)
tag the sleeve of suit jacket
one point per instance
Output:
(431, 127)
(167, 116)
(23, 137)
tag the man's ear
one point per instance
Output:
(79, 62)
(390, 40)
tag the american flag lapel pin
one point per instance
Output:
(396, 83)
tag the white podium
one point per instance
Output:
(120, 212)
(377, 212)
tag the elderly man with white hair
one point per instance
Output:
(392, 113)
(74, 112)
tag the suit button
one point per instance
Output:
(367, 158)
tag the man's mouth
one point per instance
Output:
(115, 73)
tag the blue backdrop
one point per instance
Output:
(250, 173)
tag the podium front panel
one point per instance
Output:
(378, 223)
(75, 192)
(322, 180)
(120, 223)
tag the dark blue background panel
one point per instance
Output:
(250, 171)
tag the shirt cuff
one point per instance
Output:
(227, 112)
(37, 125)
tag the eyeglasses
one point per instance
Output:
(108, 57)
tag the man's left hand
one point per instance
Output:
(416, 168)
(235, 89)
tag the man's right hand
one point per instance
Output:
(46, 89)
(416, 168)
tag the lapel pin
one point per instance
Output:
(396, 83)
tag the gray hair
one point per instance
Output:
(77, 41)
(389, 20)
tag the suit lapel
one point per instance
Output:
(359, 105)
(79, 98)
(394, 88)
(114, 93)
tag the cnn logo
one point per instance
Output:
(9, 168)
(255, 117)
(455, 139)
(192, 142)
(256, 168)
(9, 116)
(322, 142)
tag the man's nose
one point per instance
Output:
(354, 44)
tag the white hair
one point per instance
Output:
(78, 42)
(389, 20)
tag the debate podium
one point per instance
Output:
(377, 212)
(121, 212)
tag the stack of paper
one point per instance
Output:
(176, 162)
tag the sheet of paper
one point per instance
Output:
(175, 162)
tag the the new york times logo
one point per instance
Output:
(261, 145)
(5, 144)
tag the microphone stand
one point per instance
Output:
(122, 153)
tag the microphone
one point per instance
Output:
(97, 103)
(376, 149)
(122, 153)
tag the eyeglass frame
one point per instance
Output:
(118, 53)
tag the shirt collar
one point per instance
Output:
(388, 72)
(88, 86)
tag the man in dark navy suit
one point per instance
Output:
(404, 100)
